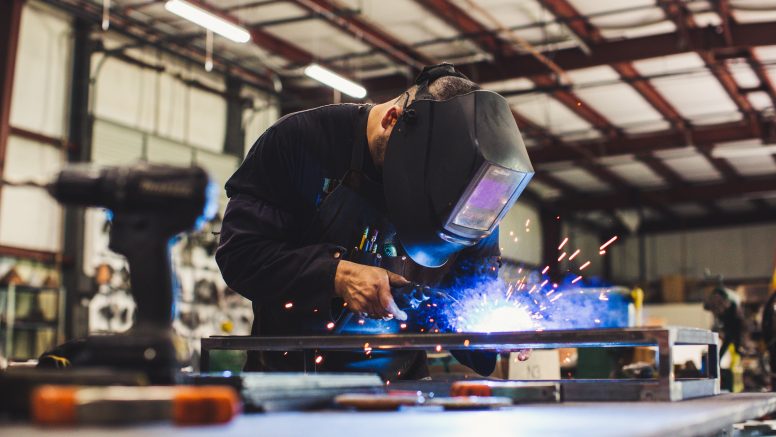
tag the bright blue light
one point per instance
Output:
(212, 193)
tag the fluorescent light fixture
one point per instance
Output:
(334, 80)
(739, 152)
(207, 20)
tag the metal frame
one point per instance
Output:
(665, 387)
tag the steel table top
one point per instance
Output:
(696, 417)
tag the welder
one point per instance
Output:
(335, 207)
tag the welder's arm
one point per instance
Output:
(258, 259)
(481, 261)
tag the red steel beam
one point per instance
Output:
(280, 47)
(368, 32)
(10, 21)
(690, 193)
(703, 137)
(564, 11)
(715, 220)
(762, 75)
(605, 53)
(464, 23)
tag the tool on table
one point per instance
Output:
(380, 402)
(518, 392)
(183, 405)
(279, 391)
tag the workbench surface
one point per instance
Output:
(600, 419)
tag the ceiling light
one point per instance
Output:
(334, 80)
(208, 20)
(739, 152)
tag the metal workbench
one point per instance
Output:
(664, 387)
(698, 417)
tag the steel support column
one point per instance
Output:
(74, 280)
(10, 21)
(234, 140)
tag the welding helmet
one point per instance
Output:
(452, 170)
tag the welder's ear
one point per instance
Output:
(391, 117)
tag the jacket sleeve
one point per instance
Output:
(259, 260)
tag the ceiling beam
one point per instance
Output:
(462, 21)
(750, 187)
(715, 220)
(702, 137)
(604, 53)
(330, 10)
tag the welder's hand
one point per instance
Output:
(368, 289)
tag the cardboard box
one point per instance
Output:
(673, 288)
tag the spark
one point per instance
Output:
(466, 342)
(360, 321)
(533, 288)
(289, 305)
(556, 297)
(597, 321)
(515, 239)
(603, 296)
(438, 347)
(544, 283)
(520, 270)
(527, 222)
(582, 267)
(574, 255)
(605, 245)
(315, 310)
(562, 255)
(318, 359)
(511, 233)
(578, 278)
(550, 292)
(555, 285)
(563, 243)
(545, 270)
(602, 252)
(387, 382)
(403, 326)
(330, 325)
(285, 354)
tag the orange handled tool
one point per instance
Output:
(183, 405)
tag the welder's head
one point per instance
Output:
(440, 87)
(454, 164)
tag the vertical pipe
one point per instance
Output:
(234, 140)
(80, 137)
(642, 251)
(10, 21)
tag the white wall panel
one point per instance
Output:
(29, 217)
(42, 73)
(743, 252)
(163, 151)
(113, 144)
(207, 120)
(173, 104)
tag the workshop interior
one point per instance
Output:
(426, 217)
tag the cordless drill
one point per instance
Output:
(150, 204)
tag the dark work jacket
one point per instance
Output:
(277, 251)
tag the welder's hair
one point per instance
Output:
(444, 88)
